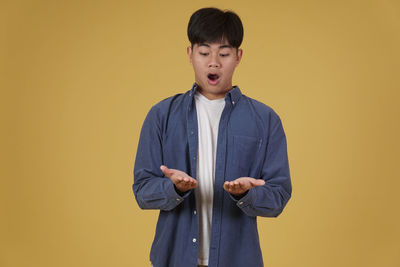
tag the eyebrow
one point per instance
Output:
(220, 47)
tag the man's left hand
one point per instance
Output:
(242, 185)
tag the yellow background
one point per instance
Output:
(78, 78)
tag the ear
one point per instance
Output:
(239, 56)
(189, 51)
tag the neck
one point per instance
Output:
(213, 96)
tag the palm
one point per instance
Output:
(181, 180)
(242, 185)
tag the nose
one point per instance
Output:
(214, 62)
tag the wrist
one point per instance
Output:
(239, 196)
(179, 192)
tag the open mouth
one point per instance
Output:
(213, 78)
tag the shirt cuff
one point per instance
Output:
(246, 200)
(174, 199)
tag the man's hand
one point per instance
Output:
(181, 180)
(242, 185)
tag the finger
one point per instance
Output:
(187, 185)
(188, 182)
(193, 185)
(242, 186)
(236, 185)
(226, 186)
(178, 180)
(257, 182)
(165, 170)
(232, 186)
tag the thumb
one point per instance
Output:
(258, 182)
(165, 170)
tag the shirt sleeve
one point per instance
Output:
(270, 199)
(151, 188)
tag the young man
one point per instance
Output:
(211, 159)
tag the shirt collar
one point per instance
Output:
(235, 94)
(232, 95)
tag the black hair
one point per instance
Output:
(213, 25)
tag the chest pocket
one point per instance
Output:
(246, 150)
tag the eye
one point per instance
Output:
(224, 55)
(203, 54)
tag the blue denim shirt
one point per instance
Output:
(251, 143)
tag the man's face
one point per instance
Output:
(214, 64)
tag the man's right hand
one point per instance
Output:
(181, 180)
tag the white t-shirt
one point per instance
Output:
(208, 116)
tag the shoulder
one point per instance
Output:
(265, 112)
(167, 102)
(162, 109)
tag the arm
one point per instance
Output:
(266, 197)
(152, 189)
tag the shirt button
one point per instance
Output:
(194, 212)
(191, 132)
(233, 102)
(194, 240)
(178, 199)
(241, 203)
(194, 157)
